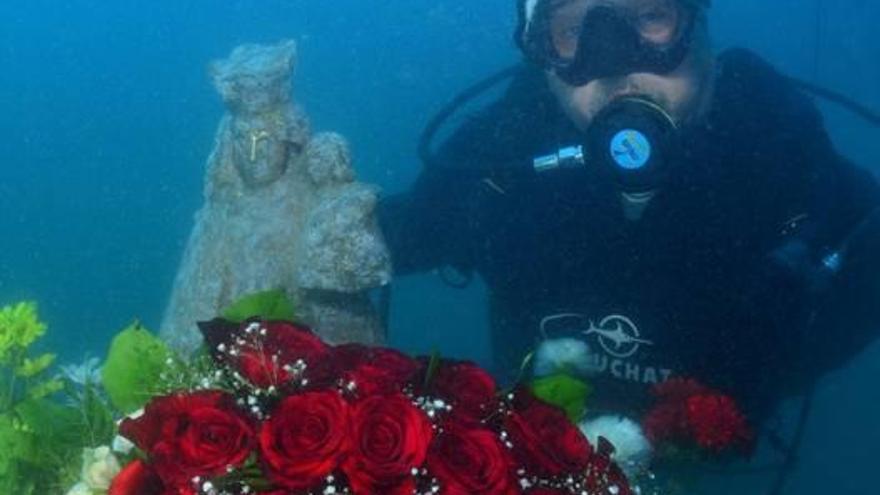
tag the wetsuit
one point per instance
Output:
(717, 281)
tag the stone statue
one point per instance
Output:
(282, 210)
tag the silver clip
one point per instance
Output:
(568, 157)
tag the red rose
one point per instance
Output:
(717, 423)
(471, 461)
(305, 439)
(374, 370)
(136, 479)
(390, 439)
(263, 351)
(469, 389)
(544, 440)
(199, 434)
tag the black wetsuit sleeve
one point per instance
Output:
(809, 202)
(847, 312)
(431, 224)
(437, 222)
(426, 227)
(841, 202)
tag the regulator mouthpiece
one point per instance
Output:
(631, 142)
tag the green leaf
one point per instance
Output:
(270, 305)
(132, 373)
(37, 442)
(30, 368)
(55, 427)
(99, 419)
(16, 445)
(525, 367)
(20, 326)
(564, 391)
(45, 389)
(97, 424)
(433, 366)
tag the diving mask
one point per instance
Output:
(585, 40)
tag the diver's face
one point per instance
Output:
(682, 92)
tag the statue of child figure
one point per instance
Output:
(282, 210)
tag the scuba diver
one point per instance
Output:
(684, 213)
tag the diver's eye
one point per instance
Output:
(658, 25)
(565, 24)
(566, 40)
(572, 34)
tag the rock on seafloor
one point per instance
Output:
(282, 209)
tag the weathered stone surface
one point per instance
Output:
(282, 210)
(342, 249)
(328, 161)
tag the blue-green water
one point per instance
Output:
(107, 117)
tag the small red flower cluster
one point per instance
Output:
(303, 417)
(688, 414)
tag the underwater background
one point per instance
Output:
(108, 115)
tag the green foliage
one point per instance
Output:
(270, 305)
(44, 389)
(30, 368)
(20, 375)
(97, 418)
(433, 365)
(41, 442)
(17, 442)
(41, 439)
(133, 371)
(49, 423)
(16, 445)
(19, 328)
(564, 391)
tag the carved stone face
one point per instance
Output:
(260, 151)
(265, 130)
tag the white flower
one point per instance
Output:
(80, 489)
(632, 449)
(100, 466)
(557, 355)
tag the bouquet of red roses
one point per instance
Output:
(282, 412)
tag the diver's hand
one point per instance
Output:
(793, 257)
(794, 266)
